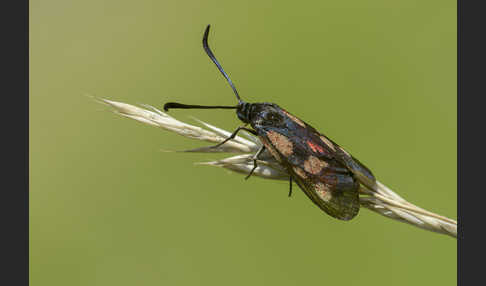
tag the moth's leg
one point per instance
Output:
(255, 158)
(233, 135)
(290, 181)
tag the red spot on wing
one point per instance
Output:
(316, 148)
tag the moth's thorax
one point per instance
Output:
(269, 116)
(259, 113)
(265, 115)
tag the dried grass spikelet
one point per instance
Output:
(382, 200)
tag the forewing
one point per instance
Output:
(327, 182)
(360, 171)
(325, 147)
(326, 173)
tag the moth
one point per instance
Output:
(325, 172)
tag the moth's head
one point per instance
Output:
(243, 111)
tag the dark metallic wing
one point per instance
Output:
(326, 181)
(331, 149)
(360, 171)
(326, 173)
(335, 193)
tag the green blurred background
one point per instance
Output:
(107, 207)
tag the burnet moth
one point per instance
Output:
(327, 174)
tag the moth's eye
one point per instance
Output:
(270, 116)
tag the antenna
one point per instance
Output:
(215, 61)
(170, 105)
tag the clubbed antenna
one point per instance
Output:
(215, 61)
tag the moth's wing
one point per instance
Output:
(325, 147)
(326, 181)
(334, 191)
(360, 171)
(312, 162)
